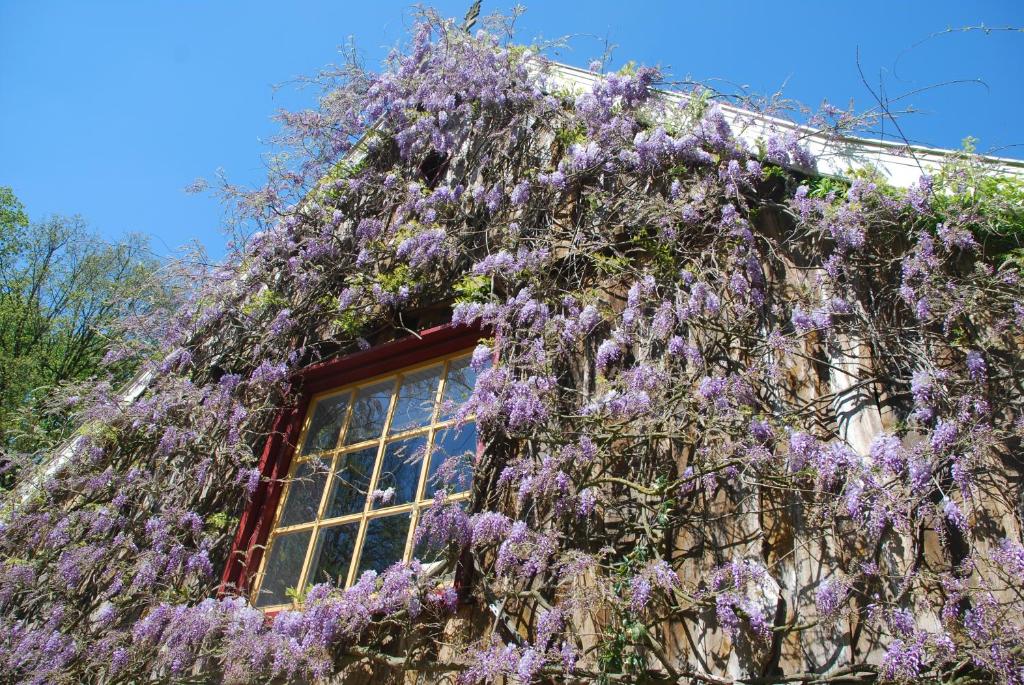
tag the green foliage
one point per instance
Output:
(101, 433)
(472, 288)
(393, 281)
(679, 121)
(618, 652)
(992, 202)
(1014, 259)
(661, 255)
(822, 186)
(12, 214)
(63, 292)
(873, 175)
(297, 596)
(1002, 198)
(611, 265)
(347, 168)
(774, 171)
(571, 133)
(697, 105)
(266, 299)
(221, 522)
(350, 322)
(628, 69)
(996, 201)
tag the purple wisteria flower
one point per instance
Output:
(424, 248)
(520, 194)
(608, 353)
(904, 660)
(976, 365)
(830, 598)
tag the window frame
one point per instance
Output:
(241, 573)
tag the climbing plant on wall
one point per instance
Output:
(742, 422)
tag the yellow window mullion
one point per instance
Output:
(348, 419)
(377, 464)
(421, 486)
(414, 517)
(301, 585)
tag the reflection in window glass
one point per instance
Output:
(369, 412)
(457, 387)
(400, 469)
(385, 542)
(333, 554)
(415, 406)
(351, 482)
(304, 493)
(328, 418)
(454, 449)
(284, 565)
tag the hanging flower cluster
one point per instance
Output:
(744, 422)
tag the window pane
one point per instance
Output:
(284, 564)
(458, 387)
(304, 493)
(415, 406)
(326, 424)
(385, 542)
(455, 450)
(351, 483)
(400, 469)
(333, 554)
(369, 411)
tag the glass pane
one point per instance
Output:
(369, 411)
(326, 424)
(304, 493)
(455, 450)
(333, 554)
(400, 469)
(415, 406)
(284, 564)
(351, 482)
(385, 542)
(458, 387)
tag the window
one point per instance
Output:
(369, 458)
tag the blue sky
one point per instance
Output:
(109, 109)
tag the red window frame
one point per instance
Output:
(254, 527)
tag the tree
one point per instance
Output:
(63, 292)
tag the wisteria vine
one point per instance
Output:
(745, 424)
